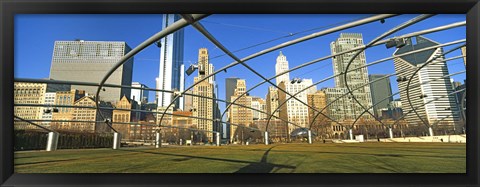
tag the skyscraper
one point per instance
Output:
(230, 85)
(357, 78)
(272, 101)
(140, 96)
(441, 108)
(240, 115)
(292, 110)
(171, 72)
(281, 66)
(89, 61)
(380, 90)
(203, 107)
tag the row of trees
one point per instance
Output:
(37, 140)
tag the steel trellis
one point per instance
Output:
(453, 74)
(384, 77)
(292, 42)
(401, 26)
(389, 58)
(391, 125)
(204, 31)
(453, 25)
(298, 67)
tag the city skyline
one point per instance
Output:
(324, 90)
(290, 52)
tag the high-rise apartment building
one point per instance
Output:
(438, 108)
(380, 90)
(464, 53)
(240, 115)
(171, 71)
(203, 107)
(340, 109)
(357, 78)
(89, 61)
(280, 67)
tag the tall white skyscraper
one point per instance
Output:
(356, 79)
(441, 109)
(293, 110)
(281, 66)
(171, 72)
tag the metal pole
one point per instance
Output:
(309, 136)
(350, 133)
(430, 131)
(390, 132)
(116, 140)
(266, 137)
(158, 140)
(52, 141)
(218, 138)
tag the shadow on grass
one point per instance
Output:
(370, 154)
(261, 167)
(252, 167)
(45, 162)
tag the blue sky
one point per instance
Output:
(35, 36)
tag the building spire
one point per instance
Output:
(281, 54)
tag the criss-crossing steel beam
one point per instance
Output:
(370, 64)
(289, 43)
(396, 93)
(209, 36)
(395, 29)
(435, 99)
(436, 29)
(170, 29)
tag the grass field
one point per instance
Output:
(278, 158)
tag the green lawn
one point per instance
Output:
(277, 158)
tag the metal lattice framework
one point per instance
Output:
(194, 21)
